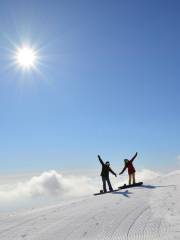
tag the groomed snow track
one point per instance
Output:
(150, 212)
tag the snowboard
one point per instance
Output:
(101, 192)
(130, 186)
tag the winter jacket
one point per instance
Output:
(105, 169)
(129, 166)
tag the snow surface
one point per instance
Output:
(150, 212)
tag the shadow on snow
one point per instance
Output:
(157, 186)
(125, 193)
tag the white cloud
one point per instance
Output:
(146, 174)
(54, 185)
(50, 184)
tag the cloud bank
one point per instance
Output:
(49, 184)
(54, 185)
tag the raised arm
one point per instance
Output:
(101, 161)
(132, 159)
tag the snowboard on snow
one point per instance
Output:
(119, 188)
(102, 192)
(130, 186)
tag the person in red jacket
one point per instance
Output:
(128, 164)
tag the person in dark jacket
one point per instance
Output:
(128, 164)
(105, 174)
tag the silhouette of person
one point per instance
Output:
(105, 174)
(128, 164)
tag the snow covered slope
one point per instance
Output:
(151, 212)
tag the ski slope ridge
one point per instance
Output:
(150, 212)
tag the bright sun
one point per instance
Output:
(26, 57)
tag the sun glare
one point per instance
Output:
(26, 57)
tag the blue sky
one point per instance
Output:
(108, 83)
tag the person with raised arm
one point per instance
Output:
(128, 164)
(105, 174)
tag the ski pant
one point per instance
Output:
(132, 177)
(104, 180)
